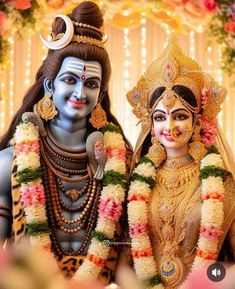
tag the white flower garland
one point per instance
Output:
(33, 197)
(211, 217)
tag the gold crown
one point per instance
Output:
(174, 67)
(81, 39)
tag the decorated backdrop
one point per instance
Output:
(137, 33)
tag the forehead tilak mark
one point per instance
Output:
(82, 64)
(85, 68)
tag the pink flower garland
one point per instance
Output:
(210, 232)
(138, 229)
(27, 147)
(33, 195)
(110, 209)
(119, 154)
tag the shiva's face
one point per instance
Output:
(172, 127)
(76, 87)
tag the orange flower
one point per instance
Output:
(148, 252)
(22, 4)
(2, 20)
(229, 27)
(55, 4)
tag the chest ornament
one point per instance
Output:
(171, 268)
(33, 193)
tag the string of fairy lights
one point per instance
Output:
(11, 76)
(9, 87)
(2, 100)
(126, 74)
(28, 62)
(192, 43)
(143, 41)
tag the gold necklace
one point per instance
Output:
(174, 176)
(168, 210)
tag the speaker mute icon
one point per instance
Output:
(216, 272)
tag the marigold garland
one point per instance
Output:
(34, 200)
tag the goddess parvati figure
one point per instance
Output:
(181, 201)
(67, 184)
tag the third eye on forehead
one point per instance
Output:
(81, 67)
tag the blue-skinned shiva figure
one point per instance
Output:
(62, 161)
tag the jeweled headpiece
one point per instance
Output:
(61, 40)
(172, 68)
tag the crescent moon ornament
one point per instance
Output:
(65, 39)
(105, 38)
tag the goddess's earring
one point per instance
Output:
(46, 107)
(156, 152)
(98, 117)
(197, 149)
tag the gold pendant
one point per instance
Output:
(172, 271)
(73, 194)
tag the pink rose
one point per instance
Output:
(229, 27)
(210, 5)
(233, 16)
(22, 4)
(209, 131)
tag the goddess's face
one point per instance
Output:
(173, 127)
(76, 87)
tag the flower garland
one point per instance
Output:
(143, 178)
(33, 197)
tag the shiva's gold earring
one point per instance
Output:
(197, 149)
(98, 117)
(46, 107)
(156, 152)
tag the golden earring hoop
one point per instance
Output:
(46, 107)
(197, 149)
(98, 117)
(156, 152)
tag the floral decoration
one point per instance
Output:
(208, 133)
(222, 28)
(15, 17)
(211, 5)
(212, 174)
(18, 15)
(33, 199)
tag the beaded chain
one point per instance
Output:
(42, 186)
(60, 165)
